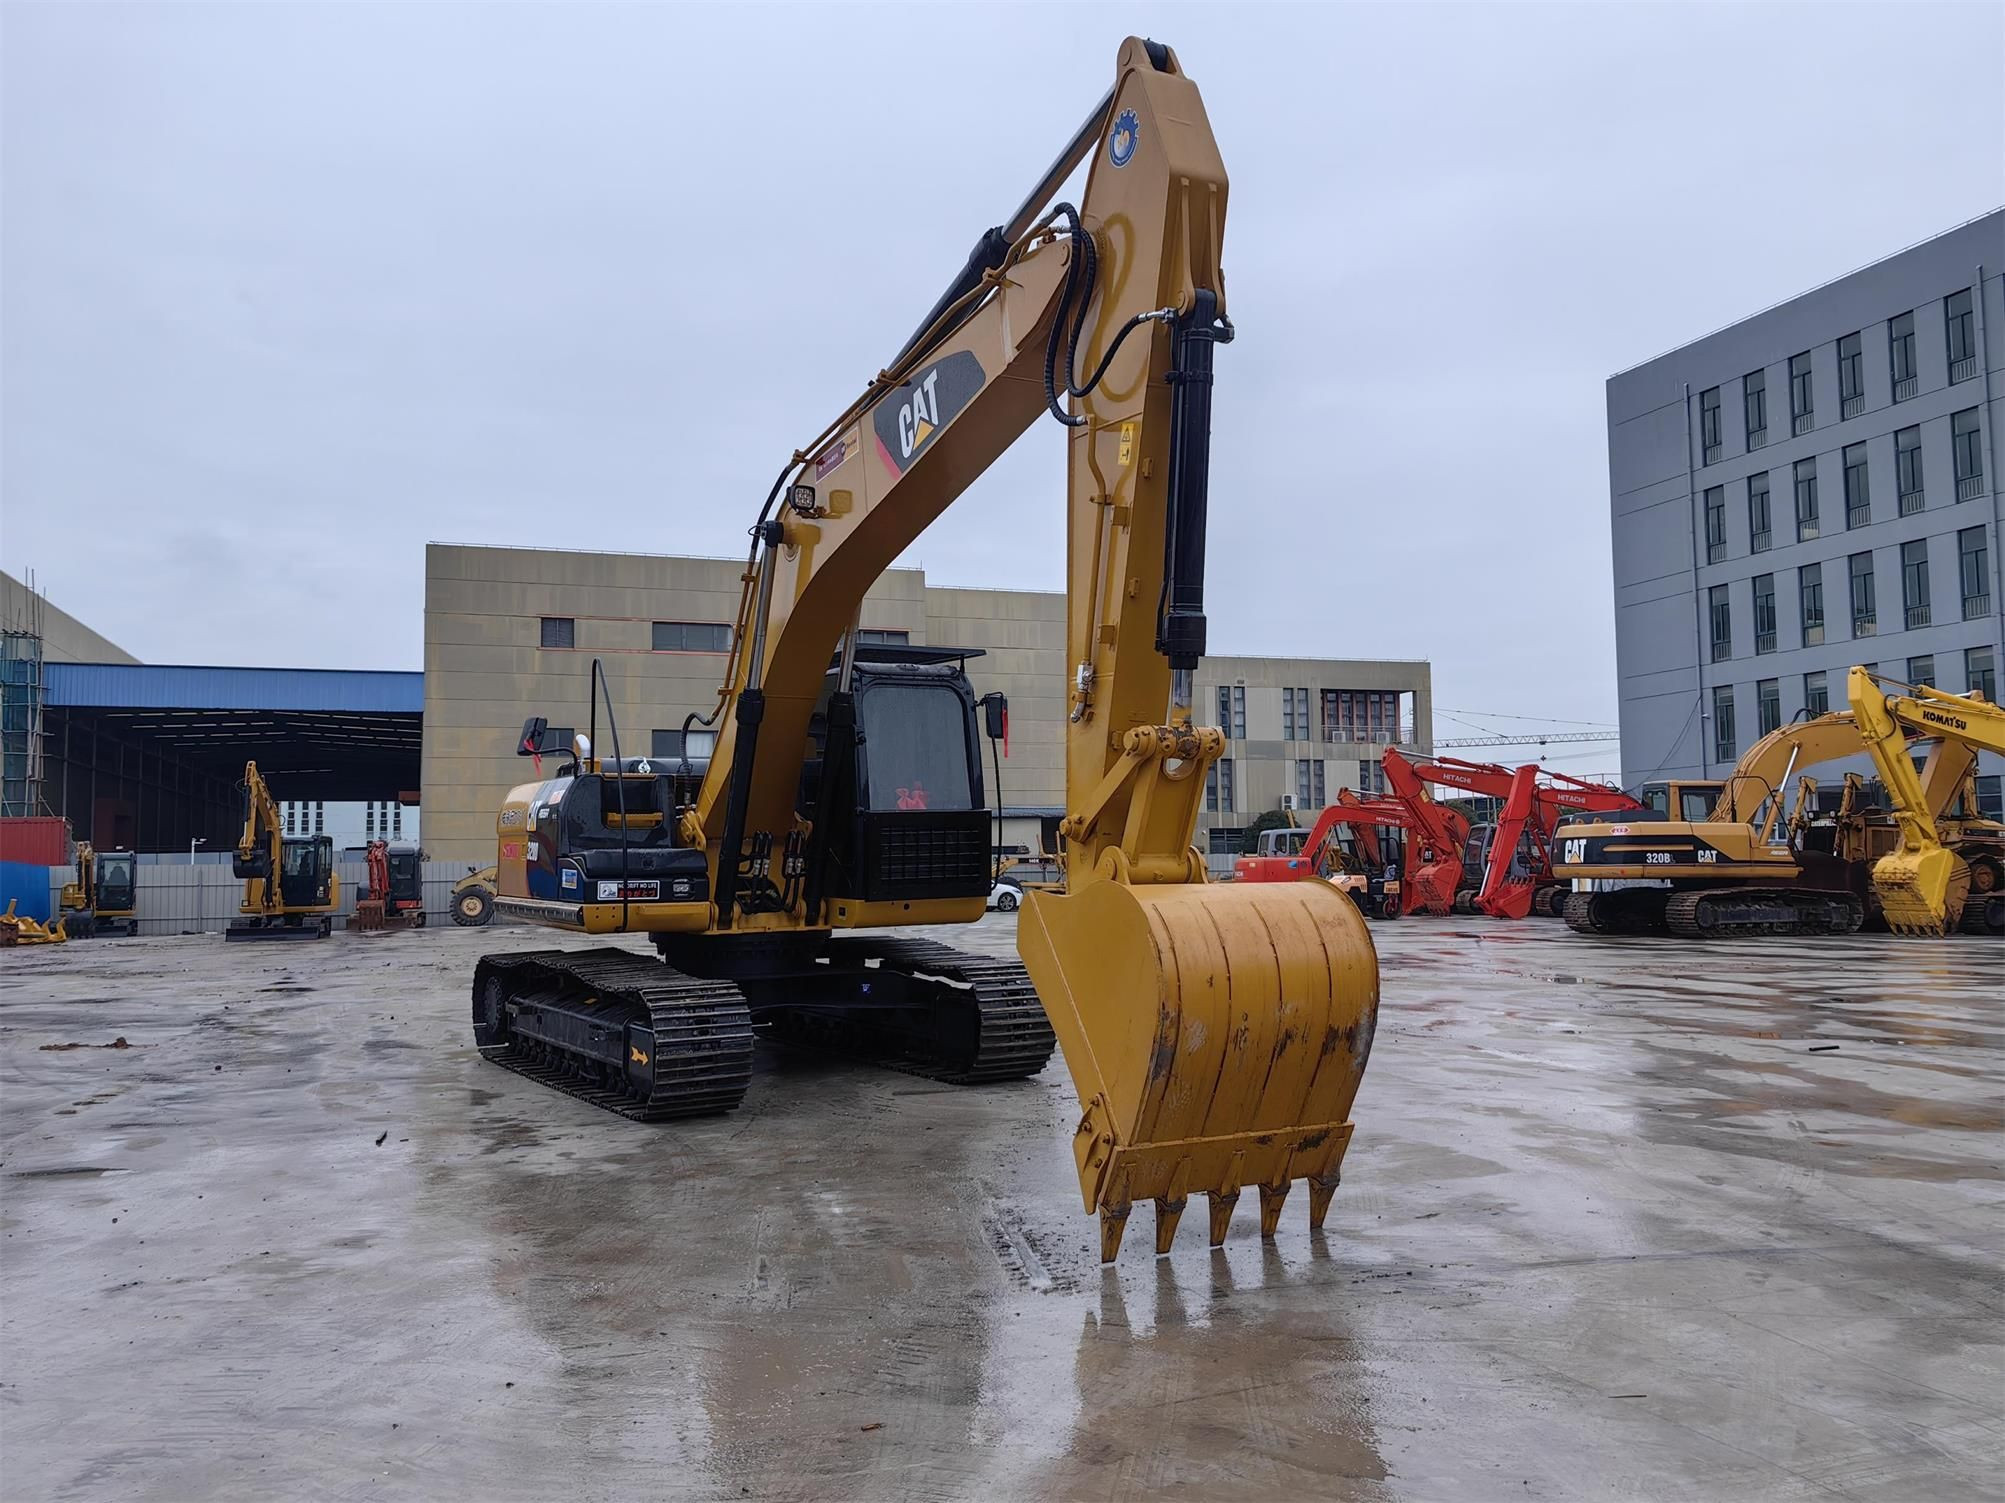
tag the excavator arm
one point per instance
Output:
(1216, 1033)
(260, 849)
(1924, 884)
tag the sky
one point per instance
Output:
(288, 290)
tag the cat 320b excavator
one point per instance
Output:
(1216, 1033)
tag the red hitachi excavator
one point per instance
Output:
(1515, 854)
(1436, 836)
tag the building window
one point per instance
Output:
(1810, 594)
(1914, 582)
(698, 636)
(1764, 613)
(1816, 696)
(1723, 739)
(1371, 776)
(1851, 376)
(1754, 407)
(1768, 704)
(1858, 491)
(397, 819)
(1921, 670)
(1960, 328)
(1295, 715)
(1979, 676)
(1716, 523)
(1802, 412)
(1900, 355)
(1806, 499)
(1361, 715)
(560, 631)
(1991, 796)
(1757, 513)
(1218, 786)
(1908, 470)
(1226, 840)
(369, 819)
(1722, 615)
(1709, 424)
(1309, 785)
(1967, 446)
(670, 746)
(869, 636)
(1865, 615)
(319, 818)
(1232, 711)
(1973, 571)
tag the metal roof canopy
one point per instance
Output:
(315, 733)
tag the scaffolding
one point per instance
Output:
(21, 710)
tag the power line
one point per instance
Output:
(1500, 715)
(1554, 738)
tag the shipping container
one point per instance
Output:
(28, 887)
(43, 840)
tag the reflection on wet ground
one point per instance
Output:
(1619, 1221)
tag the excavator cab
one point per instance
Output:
(910, 811)
(305, 871)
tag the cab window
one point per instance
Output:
(917, 748)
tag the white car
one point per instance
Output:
(1005, 897)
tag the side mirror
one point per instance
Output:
(995, 717)
(530, 743)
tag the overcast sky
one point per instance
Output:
(289, 290)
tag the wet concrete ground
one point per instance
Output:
(1619, 1222)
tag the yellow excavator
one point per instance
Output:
(1216, 1033)
(102, 896)
(291, 890)
(1931, 884)
(1745, 867)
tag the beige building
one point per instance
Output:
(511, 632)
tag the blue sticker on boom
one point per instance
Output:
(1121, 145)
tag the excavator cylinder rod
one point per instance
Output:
(1217, 1036)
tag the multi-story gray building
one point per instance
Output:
(1813, 487)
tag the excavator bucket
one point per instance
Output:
(1216, 1035)
(1922, 892)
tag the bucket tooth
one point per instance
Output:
(1222, 1203)
(1320, 1194)
(1113, 1226)
(1167, 1212)
(1272, 1197)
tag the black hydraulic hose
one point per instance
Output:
(599, 685)
(995, 858)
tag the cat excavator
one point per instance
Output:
(1748, 867)
(1929, 884)
(1216, 1033)
(291, 890)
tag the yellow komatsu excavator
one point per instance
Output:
(1939, 878)
(1216, 1033)
(291, 890)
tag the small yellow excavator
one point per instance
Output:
(291, 890)
(101, 897)
(1931, 884)
(1216, 1032)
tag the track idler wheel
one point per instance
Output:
(1216, 1035)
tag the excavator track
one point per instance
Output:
(1628, 910)
(984, 1024)
(1735, 913)
(615, 1029)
